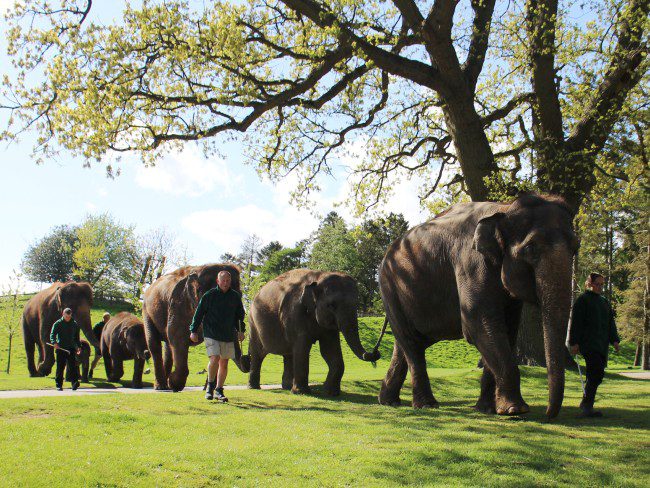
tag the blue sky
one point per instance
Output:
(210, 204)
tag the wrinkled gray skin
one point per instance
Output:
(467, 273)
(123, 340)
(45, 308)
(167, 311)
(291, 313)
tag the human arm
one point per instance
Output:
(198, 318)
(577, 325)
(54, 335)
(77, 339)
(614, 339)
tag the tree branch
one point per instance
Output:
(483, 11)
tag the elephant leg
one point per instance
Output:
(138, 368)
(168, 360)
(47, 356)
(118, 369)
(301, 350)
(395, 376)
(287, 373)
(422, 394)
(108, 365)
(30, 348)
(84, 371)
(498, 358)
(257, 357)
(178, 376)
(330, 349)
(487, 401)
(154, 345)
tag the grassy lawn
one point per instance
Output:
(275, 438)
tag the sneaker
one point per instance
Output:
(59, 388)
(220, 396)
(75, 385)
(209, 391)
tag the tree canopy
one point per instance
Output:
(479, 95)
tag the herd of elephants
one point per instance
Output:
(464, 273)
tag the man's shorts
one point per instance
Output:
(218, 348)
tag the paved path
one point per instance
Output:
(103, 391)
(637, 375)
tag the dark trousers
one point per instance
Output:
(596, 363)
(65, 360)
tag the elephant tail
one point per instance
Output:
(374, 355)
(242, 360)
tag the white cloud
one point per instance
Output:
(102, 192)
(227, 229)
(91, 207)
(7, 4)
(186, 173)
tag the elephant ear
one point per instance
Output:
(487, 238)
(57, 299)
(308, 297)
(186, 292)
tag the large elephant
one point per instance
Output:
(167, 311)
(122, 340)
(291, 313)
(45, 308)
(467, 273)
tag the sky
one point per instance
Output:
(210, 204)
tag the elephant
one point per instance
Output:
(45, 308)
(293, 311)
(167, 310)
(123, 339)
(466, 273)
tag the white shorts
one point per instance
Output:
(218, 348)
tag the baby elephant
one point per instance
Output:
(83, 360)
(297, 309)
(123, 339)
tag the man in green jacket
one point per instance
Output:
(221, 311)
(64, 337)
(592, 330)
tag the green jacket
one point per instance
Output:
(220, 313)
(65, 334)
(592, 323)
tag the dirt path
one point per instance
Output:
(103, 391)
(637, 375)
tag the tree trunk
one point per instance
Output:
(637, 353)
(645, 356)
(9, 353)
(530, 340)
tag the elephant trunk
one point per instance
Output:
(351, 334)
(82, 317)
(554, 294)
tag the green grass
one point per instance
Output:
(275, 438)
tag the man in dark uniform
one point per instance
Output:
(65, 340)
(97, 332)
(221, 310)
(592, 330)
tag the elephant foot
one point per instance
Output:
(160, 387)
(425, 401)
(512, 408)
(84, 379)
(485, 406)
(301, 390)
(137, 386)
(286, 386)
(332, 390)
(389, 402)
(90, 375)
(254, 386)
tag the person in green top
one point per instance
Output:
(64, 337)
(221, 311)
(592, 330)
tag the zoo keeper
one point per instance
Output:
(65, 340)
(592, 330)
(221, 310)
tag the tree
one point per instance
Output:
(373, 238)
(248, 258)
(266, 251)
(51, 258)
(280, 261)
(334, 249)
(507, 84)
(12, 308)
(104, 254)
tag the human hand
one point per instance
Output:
(56, 345)
(616, 346)
(194, 337)
(78, 351)
(575, 349)
(241, 336)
